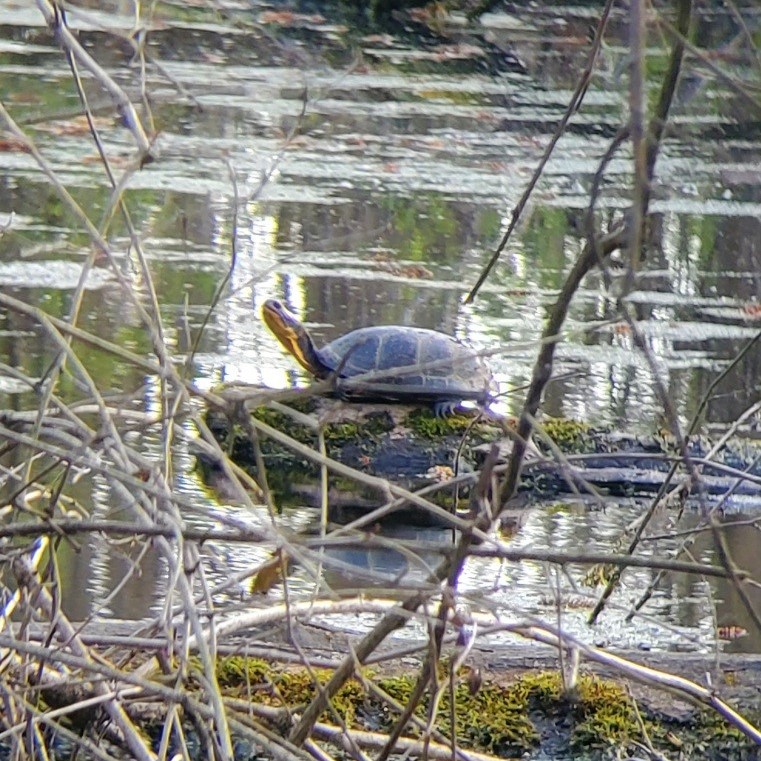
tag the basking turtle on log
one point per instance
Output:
(393, 363)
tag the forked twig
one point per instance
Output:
(52, 14)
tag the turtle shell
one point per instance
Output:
(402, 363)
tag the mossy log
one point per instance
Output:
(508, 701)
(406, 445)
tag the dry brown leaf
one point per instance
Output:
(731, 632)
(76, 126)
(119, 162)
(288, 18)
(13, 145)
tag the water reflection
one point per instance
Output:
(383, 562)
(741, 536)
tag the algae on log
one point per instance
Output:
(406, 445)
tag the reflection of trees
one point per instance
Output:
(742, 540)
(431, 230)
(338, 255)
(326, 227)
(359, 303)
(737, 249)
(727, 268)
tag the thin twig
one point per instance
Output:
(573, 106)
(71, 44)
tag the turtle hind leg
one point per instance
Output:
(445, 407)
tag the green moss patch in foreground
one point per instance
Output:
(502, 719)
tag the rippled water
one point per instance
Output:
(374, 178)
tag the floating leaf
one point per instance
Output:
(13, 145)
(77, 126)
(731, 632)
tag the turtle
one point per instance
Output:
(395, 363)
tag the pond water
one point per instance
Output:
(366, 180)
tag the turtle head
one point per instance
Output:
(293, 335)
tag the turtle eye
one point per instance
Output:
(277, 305)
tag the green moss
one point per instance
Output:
(570, 436)
(399, 688)
(365, 433)
(499, 719)
(600, 711)
(424, 423)
(338, 433)
(285, 687)
(605, 716)
(495, 719)
(370, 426)
(236, 670)
(285, 424)
(709, 730)
(542, 689)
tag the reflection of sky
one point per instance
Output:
(250, 354)
(520, 591)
